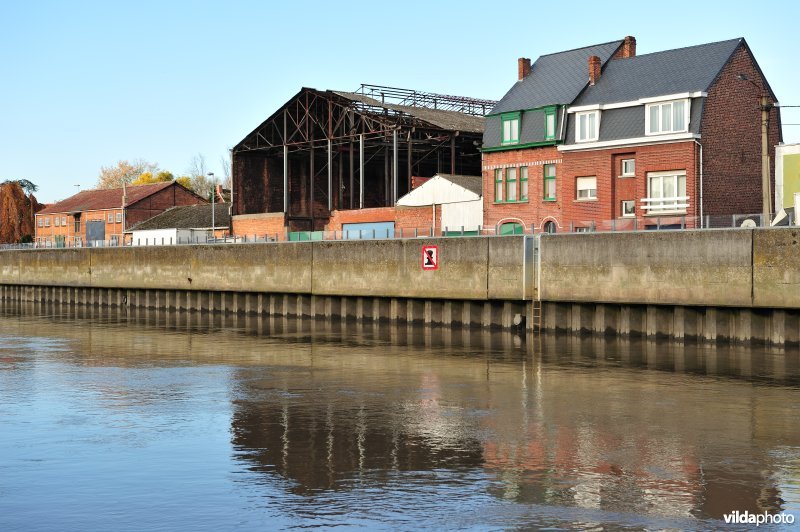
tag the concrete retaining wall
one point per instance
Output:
(710, 268)
(469, 268)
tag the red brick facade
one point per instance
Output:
(536, 210)
(267, 224)
(731, 137)
(65, 228)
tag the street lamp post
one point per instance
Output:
(766, 187)
(213, 193)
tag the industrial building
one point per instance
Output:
(324, 151)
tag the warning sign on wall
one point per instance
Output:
(430, 257)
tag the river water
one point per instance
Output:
(165, 421)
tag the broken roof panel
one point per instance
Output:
(449, 120)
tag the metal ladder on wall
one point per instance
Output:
(536, 302)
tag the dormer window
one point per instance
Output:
(667, 117)
(587, 126)
(510, 128)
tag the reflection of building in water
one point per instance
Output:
(594, 440)
(622, 425)
(318, 437)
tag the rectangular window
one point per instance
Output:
(63, 221)
(586, 188)
(119, 217)
(550, 182)
(56, 221)
(550, 123)
(77, 225)
(666, 192)
(667, 117)
(586, 126)
(40, 221)
(111, 217)
(511, 184)
(628, 168)
(498, 185)
(510, 128)
(47, 222)
(523, 183)
(628, 208)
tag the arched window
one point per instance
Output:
(550, 227)
(511, 228)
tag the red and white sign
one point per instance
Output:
(430, 257)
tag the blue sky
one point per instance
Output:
(85, 84)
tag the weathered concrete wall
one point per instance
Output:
(72, 267)
(725, 268)
(393, 268)
(776, 268)
(469, 268)
(711, 268)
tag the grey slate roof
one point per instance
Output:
(449, 120)
(689, 69)
(473, 183)
(555, 78)
(189, 217)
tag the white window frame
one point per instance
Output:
(111, 217)
(119, 217)
(591, 136)
(47, 221)
(63, 221)
(40, 221)
(590, 186)
(628, 173)
(648, 125)
(666, 205)
(632, 214)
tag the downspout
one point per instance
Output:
(701, 182)
(563, 123)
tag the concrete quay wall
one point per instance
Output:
(469, 268)
(757, 268)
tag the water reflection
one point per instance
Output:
(334, 414)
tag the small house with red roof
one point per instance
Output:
(94, 216)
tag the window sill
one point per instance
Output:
(587, 200)
(664, 213)
(549, 200)
(509, 202)
(626, 176)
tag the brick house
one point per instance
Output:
(655, 140)
(99, 215)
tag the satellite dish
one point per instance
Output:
(748, 224)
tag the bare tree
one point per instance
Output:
(198, 176)
(225, 163)
(124, 172)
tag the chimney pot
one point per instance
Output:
(629, 47)
(594, 69)
(523, 67)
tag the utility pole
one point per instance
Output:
(213, 193)
(766, 186)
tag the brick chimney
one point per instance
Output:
(628, 47)
(594, 69)
(523, 67)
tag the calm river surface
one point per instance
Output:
(164, 421)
